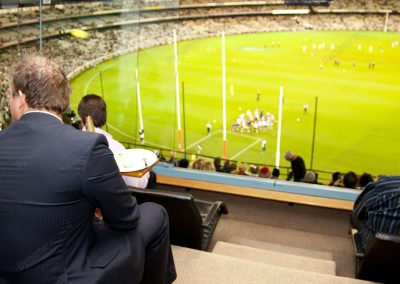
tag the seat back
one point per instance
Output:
(184, 218)
(381, 259)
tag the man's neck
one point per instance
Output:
(44, 111)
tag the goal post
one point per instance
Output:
(278, 140)
(178, 106)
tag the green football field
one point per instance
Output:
(357, 118)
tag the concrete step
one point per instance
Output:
(194, 266)
(322, 255)
(281, 239)
(309, 244)
(275, 258)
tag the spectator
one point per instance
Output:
(350, 180)
(275, 173)
(310, 177)
(242, 169)
(198, 164)
(94, 106)
(254, 171)
(208, 166)
(365, 179)
(298, 167)
(172, 159)
(335, 177)
(264, 172)
(227, 167)
(183, 163)
(58, 176)
(217, 164)
(377, 209)
(234, 169)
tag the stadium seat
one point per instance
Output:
(379, 261)
(192, 221)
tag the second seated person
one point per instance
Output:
(96, 107)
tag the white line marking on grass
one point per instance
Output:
(120, 132)
(96, 74)
(89, 82)
(134, 139)
(245, 149)
(202, 139)
(242, 135)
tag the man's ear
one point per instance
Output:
(21, 100)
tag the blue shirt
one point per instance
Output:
(378, 208)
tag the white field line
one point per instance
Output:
(88, 83)
(133, 138)
(96, 74)
(242, 135)
(202, 139)
(85, 91)
(245, 149)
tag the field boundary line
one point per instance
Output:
(245, 149)
(202, 139)
(89, 82)
(243, 135)
(96, 74)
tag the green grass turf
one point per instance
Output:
(358, 108)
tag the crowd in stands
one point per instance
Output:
(365, 4)
(73, 52)
(297, 172)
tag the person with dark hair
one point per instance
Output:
(298, 167)
(350, 180)
(377, 209)
(94, 106)
(365, 179)
(217, 165)
(275, 173)
(227, 167)
(183, 163)
(233, 168)
(335, 177)
(53, 176)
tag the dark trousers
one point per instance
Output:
(147, 249)
(159, 264)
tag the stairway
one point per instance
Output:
(290, 241)
(276, 258)
(245, 252)
(232, 263)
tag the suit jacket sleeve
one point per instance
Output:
(105, 188)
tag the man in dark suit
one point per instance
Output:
(298, 167)
(52, 177)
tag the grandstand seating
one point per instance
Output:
(378, 262)
(301, 193)
(192, 221)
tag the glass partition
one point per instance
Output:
(171, 86)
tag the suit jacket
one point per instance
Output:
(52, 177)
(298, 168)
